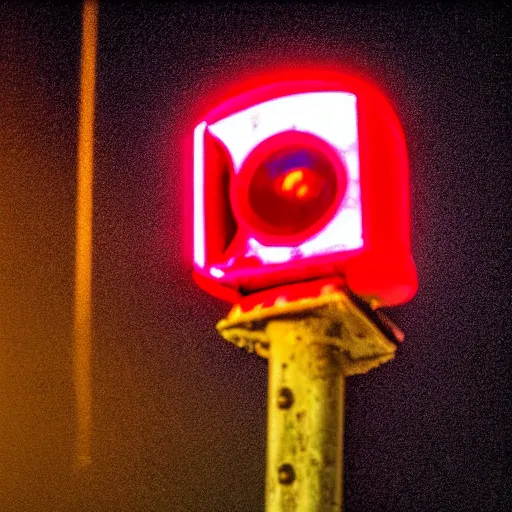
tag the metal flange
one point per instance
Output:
(331, 316)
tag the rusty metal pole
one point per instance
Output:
(312, 344)
(306, 389)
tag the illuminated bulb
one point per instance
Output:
(302, 191)
(292, 179)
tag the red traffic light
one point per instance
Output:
(299, 179)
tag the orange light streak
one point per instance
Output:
(83, 255)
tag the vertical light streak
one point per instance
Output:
(83, 248)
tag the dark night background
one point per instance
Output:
(180, 415)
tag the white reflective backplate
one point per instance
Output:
(331, 116)
(328, 115)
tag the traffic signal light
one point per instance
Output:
(300, 179)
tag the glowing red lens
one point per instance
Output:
(291, 190)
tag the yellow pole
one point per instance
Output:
(305, 419)
(312, 344)
(83, 243)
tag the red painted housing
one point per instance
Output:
(364, 233)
